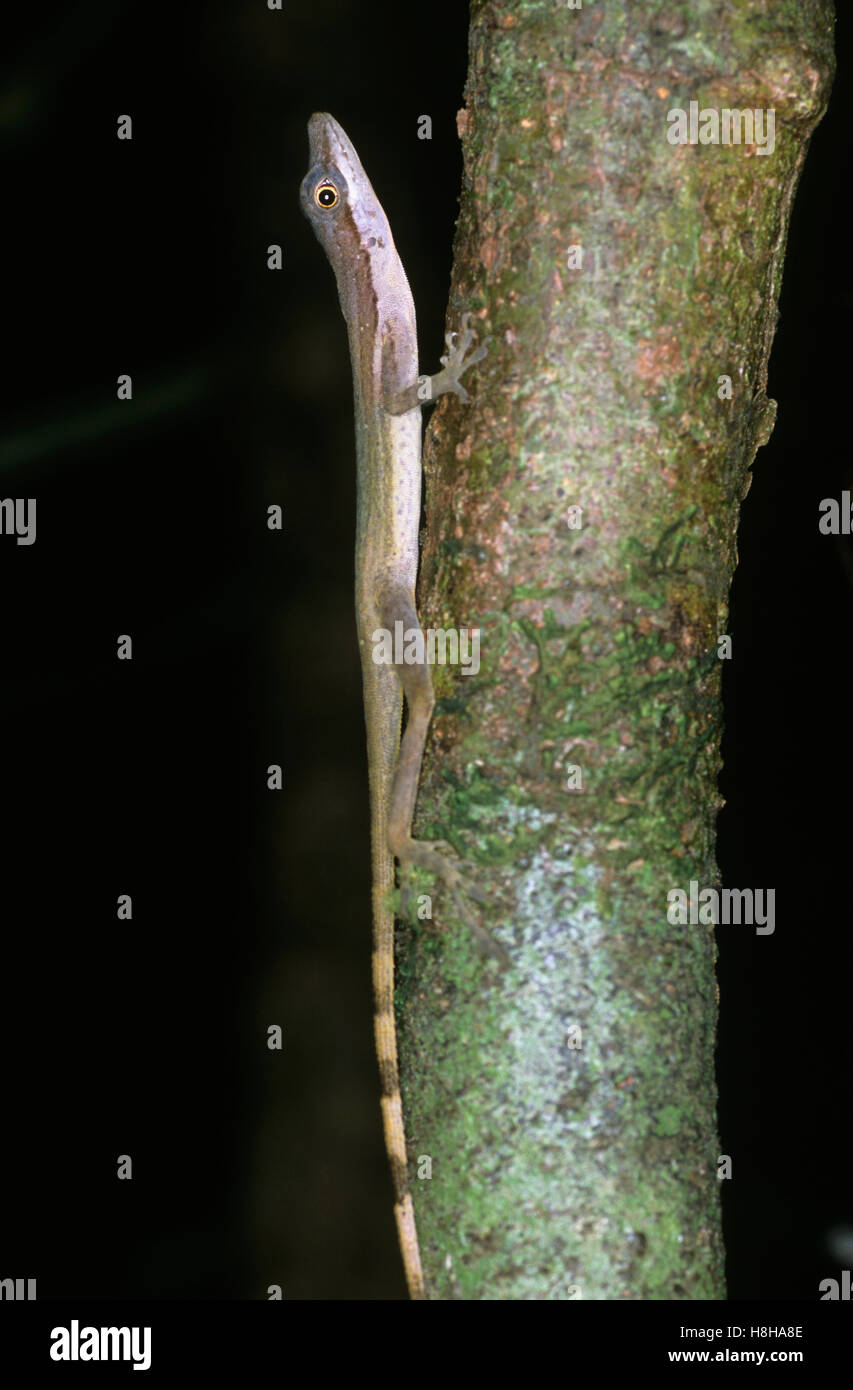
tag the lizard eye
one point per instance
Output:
(326, 195)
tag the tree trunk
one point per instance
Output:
(582, 513)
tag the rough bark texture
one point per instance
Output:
(561, 1171)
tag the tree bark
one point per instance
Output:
(568, 1102)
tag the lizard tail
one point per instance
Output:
(392, 1104)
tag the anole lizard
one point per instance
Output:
(377, 304)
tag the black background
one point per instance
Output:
(148, 777)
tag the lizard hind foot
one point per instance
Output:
(432, 855)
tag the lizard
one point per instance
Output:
(377, 304)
